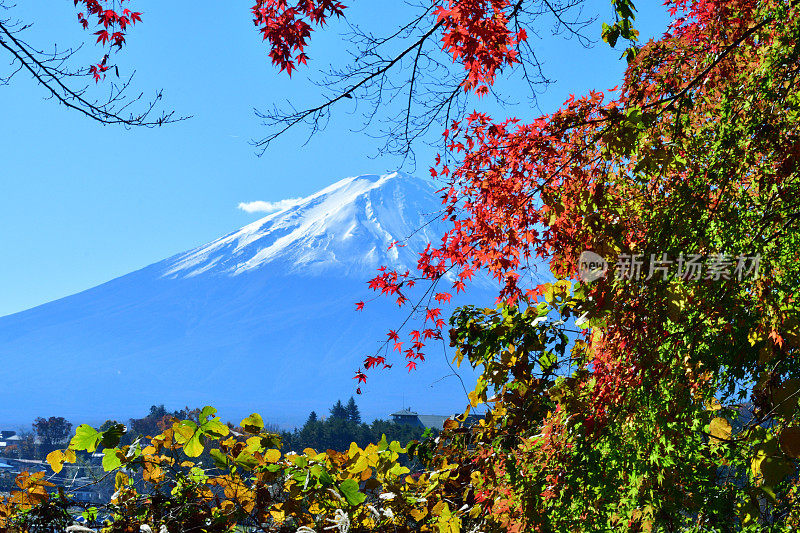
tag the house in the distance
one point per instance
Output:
(407, 416)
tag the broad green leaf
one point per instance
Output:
(220, 459)
(325, 478)
(349, 488)
(207, 413)
(184, 430)
(193, 447)
(398, 470)
(215, 428)
(86, 439)
(383, 444)
(246, 460)
(110, 438)
(111, 459)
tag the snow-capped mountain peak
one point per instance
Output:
(347, 226)
(262, 319)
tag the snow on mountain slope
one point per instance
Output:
(347, 226)
(259, 320)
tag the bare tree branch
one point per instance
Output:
(410, 88)
(52, 71)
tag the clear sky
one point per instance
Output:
(82, 203)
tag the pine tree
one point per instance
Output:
(338, 411)
(353, 414)
(312, 417)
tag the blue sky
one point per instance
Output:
(83, 203)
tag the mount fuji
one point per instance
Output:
(261, 320)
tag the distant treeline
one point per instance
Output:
(342, 426)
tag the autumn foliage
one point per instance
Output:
(659, 394)
(112, 23)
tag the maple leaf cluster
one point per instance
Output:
(113, 24)
(693, 18)
(518, 191)
(288, 27)
(477, 35)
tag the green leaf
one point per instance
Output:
(325, 478)
(86, 438)
(246, 460)
(184, 430)
(207, 413)
(349, 488)
(111, 459)
(398, 470)
(253, 424)
(220, 459)
(193, 447)
(215, 428)
(110, 438)
(383, 444)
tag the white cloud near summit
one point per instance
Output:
(268, 207)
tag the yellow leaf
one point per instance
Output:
(755, 337)
(450, 424)
(720, 429)
(353, 450)
(361, 464)
(152, 472)
(121, 480)
(418, 514)
(713, 405)
(56, 460)
(474, 399)
(273, 456)
(253, 424)
(315, 508)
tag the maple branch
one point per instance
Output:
(430, 91)
(315, 111)
(670, 100)
(47, 69)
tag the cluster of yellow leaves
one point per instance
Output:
(233, 477)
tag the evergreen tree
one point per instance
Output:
(312, 417)
(353, 414)
(338, 411)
